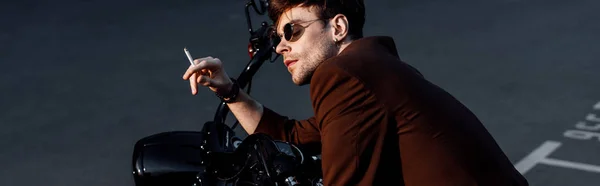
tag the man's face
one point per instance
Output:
(303, 54)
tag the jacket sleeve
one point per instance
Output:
(304, 133)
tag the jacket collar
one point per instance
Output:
(372, 44)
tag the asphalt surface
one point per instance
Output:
(81, 81)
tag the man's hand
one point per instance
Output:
(208, 72)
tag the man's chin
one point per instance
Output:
(298, 82)
(301, 81)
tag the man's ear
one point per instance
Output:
(340, 26)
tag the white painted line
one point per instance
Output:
(572, 165)
(536, 156)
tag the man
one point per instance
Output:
(378, 121)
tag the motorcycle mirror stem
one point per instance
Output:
(219, 135)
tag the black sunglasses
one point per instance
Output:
(291, 32)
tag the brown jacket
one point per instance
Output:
(378, 121)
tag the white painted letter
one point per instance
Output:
(540, 156)
(583, 126)
(592, 117)
(582, 135)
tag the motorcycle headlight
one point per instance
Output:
(168, 158)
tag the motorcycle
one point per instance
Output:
(215, 155)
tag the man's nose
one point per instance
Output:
(282, 47)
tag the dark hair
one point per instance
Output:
(354, 10)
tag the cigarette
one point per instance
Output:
(189, 56)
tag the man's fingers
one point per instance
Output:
(193, 84)
(201, 71)
(196, 61)
(191, 70)
(204, 80)
(196, 79)
(212, 64)
(204, 66)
